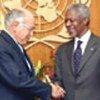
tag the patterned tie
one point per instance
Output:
(77, 57)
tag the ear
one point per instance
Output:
(86, 21)
(15, 24)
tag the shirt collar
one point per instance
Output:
(85, 37)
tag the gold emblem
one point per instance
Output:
(49, 18)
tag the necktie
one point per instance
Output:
(77, 57)
(24, 54)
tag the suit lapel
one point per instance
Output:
(69, 59)
(31, 65)
(90, 49)
(70, 54)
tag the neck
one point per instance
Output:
(82, 33)
(10, 32)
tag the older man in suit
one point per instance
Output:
(78, 61)
(17, 79)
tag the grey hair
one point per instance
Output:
(81, 10)
(14, 15)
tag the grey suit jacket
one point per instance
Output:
(17, 82)
(87, 84)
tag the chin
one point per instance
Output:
(24, 43)
(73, 35)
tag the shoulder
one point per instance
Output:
(3, 43)
(65, 46)
(95, 38)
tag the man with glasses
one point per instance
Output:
(17, 77)
(78, 61)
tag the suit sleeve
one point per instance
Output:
(22, 82)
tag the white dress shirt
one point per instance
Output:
(84, 39)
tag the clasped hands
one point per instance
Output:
(57, 91)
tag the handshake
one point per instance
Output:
(57, 91)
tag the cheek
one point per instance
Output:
(24, 34)
(79, 28)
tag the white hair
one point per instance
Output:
(81, 10)
(14, 15)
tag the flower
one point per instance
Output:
(46, 69)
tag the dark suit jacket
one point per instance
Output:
(87, 84)
(17, 82)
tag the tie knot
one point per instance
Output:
(79, 42)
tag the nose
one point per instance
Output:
(31, 33)
(67, 23)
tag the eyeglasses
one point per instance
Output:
(31, 29)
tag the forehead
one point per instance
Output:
(29, 20)
(72, 14)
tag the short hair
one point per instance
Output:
(81, 10)
(14, 15)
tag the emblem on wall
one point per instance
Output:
(49, 18)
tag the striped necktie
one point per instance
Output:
(77, 57)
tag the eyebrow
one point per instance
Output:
(70, 19)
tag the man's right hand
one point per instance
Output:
(57, 91)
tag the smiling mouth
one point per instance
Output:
(70, 29)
